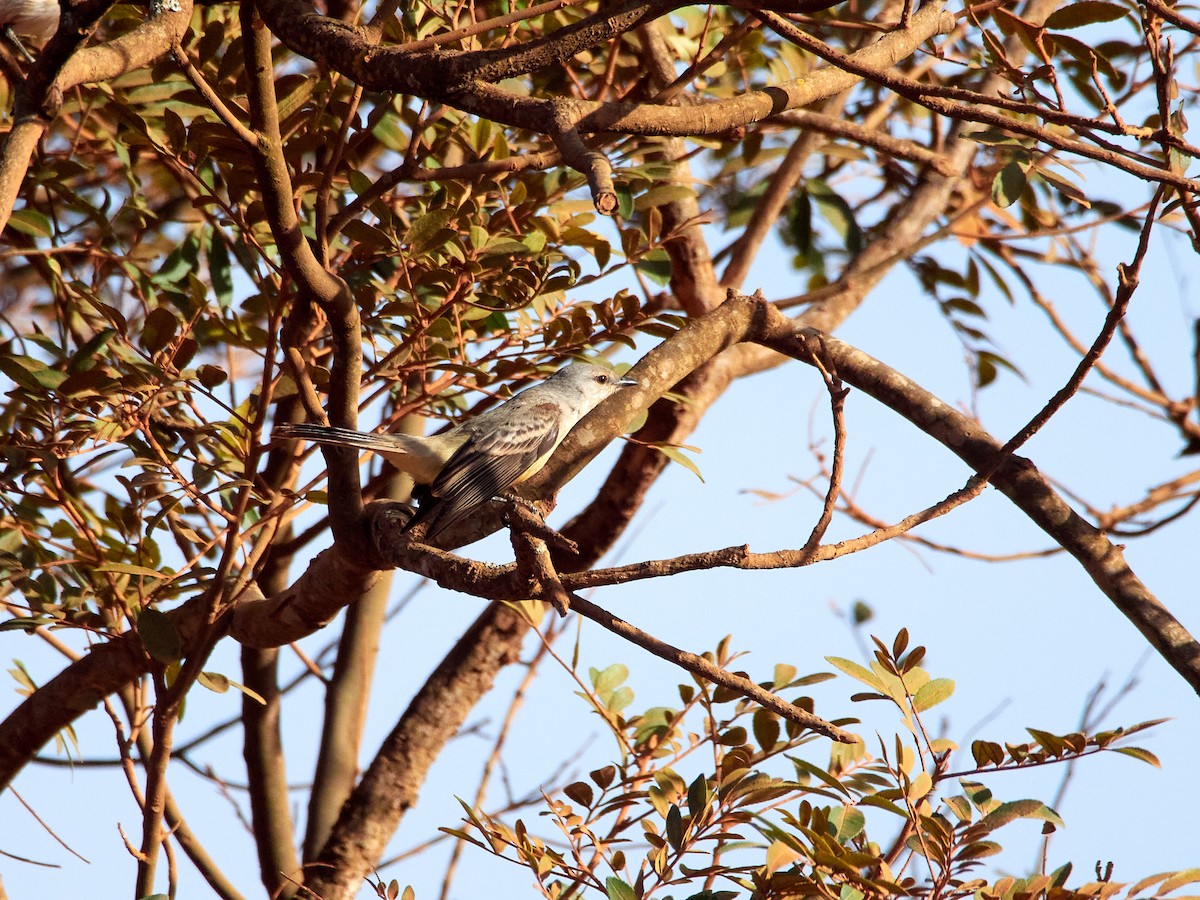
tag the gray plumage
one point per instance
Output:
(487, 454)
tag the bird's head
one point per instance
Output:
(590, 382)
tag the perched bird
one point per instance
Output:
(35, 20)
(485, 455)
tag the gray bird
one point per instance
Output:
(487, 454)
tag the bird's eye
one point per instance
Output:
(603, 379)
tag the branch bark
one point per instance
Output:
(454, 79)
(1019, 480)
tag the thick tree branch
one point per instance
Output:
(693, 278)
(393, 781)
(312, 278)
(349, 690)
(431, 75)
(266, 771)
(39, 95)
(81, 686)
(331, 581)
(62, 66)
(1016, 478)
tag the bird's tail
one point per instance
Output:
(343, 437)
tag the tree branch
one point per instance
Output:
(1016, 478)
(312, 278)
(442, 77)
(709, 671)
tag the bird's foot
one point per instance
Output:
(11, 37)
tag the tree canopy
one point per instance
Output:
(218, 218)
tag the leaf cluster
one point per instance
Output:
(761, 816)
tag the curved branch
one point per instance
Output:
(592, 164)
(1018, 479)
(430, 75)
(314, 281)
(82, 685)
(39, 95)
(393, 781)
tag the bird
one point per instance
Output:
(486, 455)
(35, 20)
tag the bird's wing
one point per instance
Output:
(490, 462)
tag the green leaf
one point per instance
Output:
(838, 213)
(30, 222)
(859, 673)
(933, 693)
(699, 795)
(674, 827)
(1064, 187)
(30, 373)
(219, 270)
(675, 454)
(979, 850)
(159, 329)
(624, 202)
(25, 623)
(610, 678)
(819, 773)
(616, 889)
(427, 227)
(1018, 809)
(766, 729)
(1008, 185)
(581, 792)
(211, 376)
(1142, 754)
(1086, 12)
(129, 569)
(663, 194)
(979, 795)
(784, 674)
(159, 636)
(847, 823)
(799, 222)
(656, 265)
(960, 807)
(534, 242)
(883, 803)
(734, 737)
(1178, 880)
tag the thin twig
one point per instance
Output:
(837, 403)
(707, 670)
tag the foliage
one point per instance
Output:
(761, 819)
(221, 217)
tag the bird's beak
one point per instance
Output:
(626, 381)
